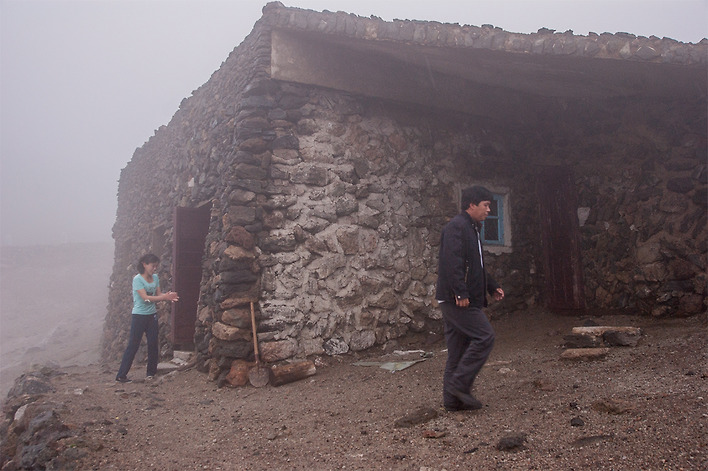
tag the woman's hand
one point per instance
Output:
(171, 296)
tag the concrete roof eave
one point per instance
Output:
(399, 61)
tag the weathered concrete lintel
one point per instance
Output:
(391, 74)
(468, 68)
(474, 81)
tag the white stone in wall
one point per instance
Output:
(335, 347)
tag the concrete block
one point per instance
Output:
(611, 336)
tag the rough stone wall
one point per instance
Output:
(640, 169)
(646, 232)
(186, 163)
(345, 233)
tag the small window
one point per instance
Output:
(493, 226)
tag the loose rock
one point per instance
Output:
(419, 416)
(512, 442)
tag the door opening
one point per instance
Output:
(191, 226)
(564, 285)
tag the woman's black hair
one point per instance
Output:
(474, 195)
(147, 259)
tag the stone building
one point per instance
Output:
(314, 170)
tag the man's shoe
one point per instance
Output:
(124, 380)
(469, 402)
(461, 407)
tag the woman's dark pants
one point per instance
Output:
(139, 325)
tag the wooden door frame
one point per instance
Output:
(191, 226)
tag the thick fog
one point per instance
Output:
(85, 83)
(53, 304)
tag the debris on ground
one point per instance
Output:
(419, 416)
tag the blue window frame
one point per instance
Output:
(493, 226)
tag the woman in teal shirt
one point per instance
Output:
(146, 292)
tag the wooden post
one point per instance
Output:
(283, 374)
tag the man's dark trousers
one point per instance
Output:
(470, 339)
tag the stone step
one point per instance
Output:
(179, 358)
(581, 354)
(166, 367)
(182, 355)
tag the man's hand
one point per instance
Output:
(498, 295)
(462, 302)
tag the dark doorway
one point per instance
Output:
(564, 286)
(191, 226)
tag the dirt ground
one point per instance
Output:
(641, 408)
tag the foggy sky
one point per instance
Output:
(85, 83)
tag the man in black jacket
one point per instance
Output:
(463, 284)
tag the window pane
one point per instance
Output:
(491, 229)
(493, 208)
